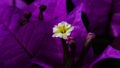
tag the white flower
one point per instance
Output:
(62, 30)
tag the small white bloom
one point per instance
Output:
(62, 30)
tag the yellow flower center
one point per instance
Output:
(62, 30)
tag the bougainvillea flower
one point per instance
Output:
(47, 51)
(62, 30)
(36, 37)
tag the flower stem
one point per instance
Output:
(84, 51)
(70, 61)
(66, 52)
(42, 8)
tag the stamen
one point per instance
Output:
(26, 19)
(22, 22)
(42, 8)
(27, 16)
